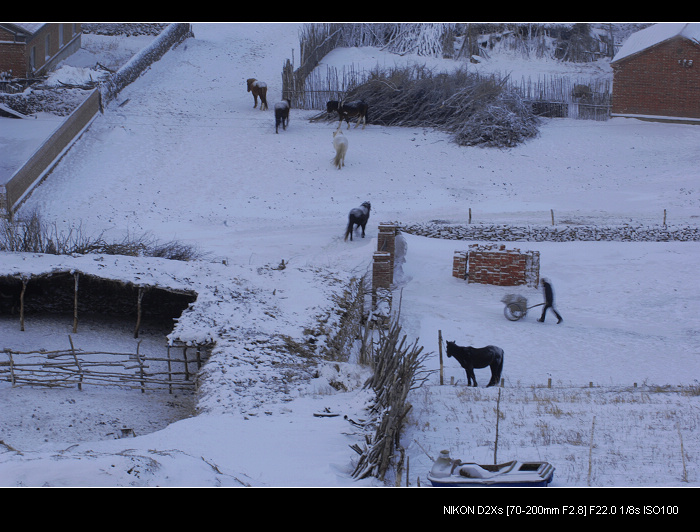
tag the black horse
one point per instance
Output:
(473, 357)
(358, 217)
(346, 110)
(282, 114)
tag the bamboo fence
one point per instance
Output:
(73, 367)
(552, 96)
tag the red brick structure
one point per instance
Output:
(497, 265)
(382, 271)
(30, 49)
(656, 73)
(383, 265)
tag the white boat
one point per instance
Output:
(449, 472)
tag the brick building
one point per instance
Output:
(30, 49)
(656, 73)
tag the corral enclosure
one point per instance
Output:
(93, 357)
(55, 304)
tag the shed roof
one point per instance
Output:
(23, 27)
(656, 34)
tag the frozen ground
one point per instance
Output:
(189, 158)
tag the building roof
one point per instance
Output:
(23, 28)
(657, 34)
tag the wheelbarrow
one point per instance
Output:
(516, 306)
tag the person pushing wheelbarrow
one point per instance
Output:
(548, 301)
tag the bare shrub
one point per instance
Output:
(32, 235)
(398, 369)
(476, 110)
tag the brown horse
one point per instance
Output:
(258, 88)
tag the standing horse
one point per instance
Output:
(282, 114)
(340, 143)
(258, 88)
(350, 109)
(473, 357)
(358, 217)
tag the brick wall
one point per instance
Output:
(12, 59)
(496, 265)
(15, 56)
(663, 80)
(383, 263)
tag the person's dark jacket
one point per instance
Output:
(548, 293)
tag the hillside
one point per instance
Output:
(183, 155)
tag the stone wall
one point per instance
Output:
(555, 233)
(171, 36)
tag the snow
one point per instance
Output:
(657, 34)
(188, 158)
(19, 139)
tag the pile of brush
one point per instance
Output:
(476, 110)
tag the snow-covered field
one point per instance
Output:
(188, 158)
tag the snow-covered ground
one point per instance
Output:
(188, 158)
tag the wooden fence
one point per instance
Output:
(550, 96)
(74, 367)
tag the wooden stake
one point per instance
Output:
(21, 305)
(138, 359)
(498, 415)
(440, 350)
(76, 277)
(590, 453)
(12, 368)
(170, 375)
(138, 313)
(77, 363)
(187, 367)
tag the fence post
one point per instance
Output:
(440, 350)
(138, 312)
(77, 363)
(76, 277)
(170, 374)
(12, 367)
(138, 359)
(21, 305)
(187, 367)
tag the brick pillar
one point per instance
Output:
(386, 239)
(459, 265)
(382, 273)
